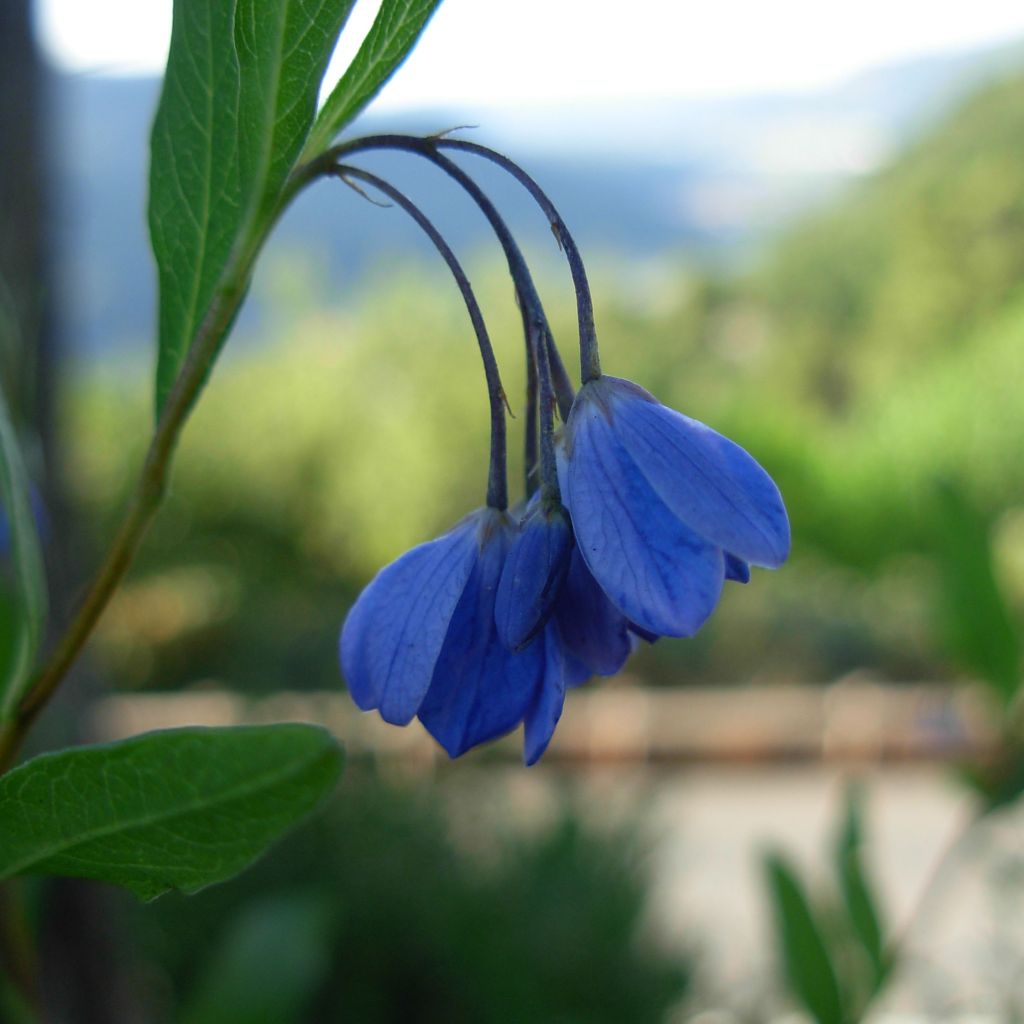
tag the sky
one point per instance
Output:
(515, 52)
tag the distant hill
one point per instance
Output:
(886, 334)
(637, 180)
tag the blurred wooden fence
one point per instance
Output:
(850, 720)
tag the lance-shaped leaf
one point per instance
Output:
(179, 809)
(19, 542)
(238, 101)
(394, 33)
(861, 909)
(806, 960)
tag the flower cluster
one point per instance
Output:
(486, 627)
(640, 516)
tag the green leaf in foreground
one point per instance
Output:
(179, 809)
(238, 101)
(861, 909)
(272, 958)
(395, 31)
(22, 541)
(807, 963)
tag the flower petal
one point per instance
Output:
(532, 576)
(546, 707)
(592, 629)
(645, 634)
(394, 633)
(736, 569)
(480, 690)
(656, 570)
(711, 483)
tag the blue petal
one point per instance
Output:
(736, 569)
(546, 707)
(646, 634)
(657, 571)
(592, 629)
(708, 481)
(480, 690)
(395, 631)
(532, 577)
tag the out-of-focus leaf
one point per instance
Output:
(179, 809)
(394, 33)
(19, 541)
(238, 101)
(978, 623)
(271, 961)
(858, 900)
(808, 965)
(999, 782)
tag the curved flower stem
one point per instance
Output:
(152, 485)
(497, 486)
(590, 362)
(528, 297)
(549, 490)
(530, 458)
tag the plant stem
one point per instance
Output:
(16, 949)
(590, 362)
(530, 435)
(528, 298)
(152, 484)
(497, 478)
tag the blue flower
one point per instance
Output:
(531, 579)
(422, 639)
(591, 628)
(562, 670)
(663, 507)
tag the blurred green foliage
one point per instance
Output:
(874, 350)
(374, 913)
(834, 956)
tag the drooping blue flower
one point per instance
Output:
(591, 628)
(663, 507)
(534, 570)
(561, 671)
(422, 640)
(480, 689)
(394, 633)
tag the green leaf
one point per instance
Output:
(238, 101)
(861, 909)
(979, 626)
(22, 541)
(269, 965)
(999, 781)
(807, 963)
(179, 809)
(394, 33)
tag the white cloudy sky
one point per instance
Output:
(498, 52)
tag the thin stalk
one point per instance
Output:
(590, 362)
(549, 490)
(530, 453)
(17, 951)
(527, 292)
(497, 487)
(152, 485)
